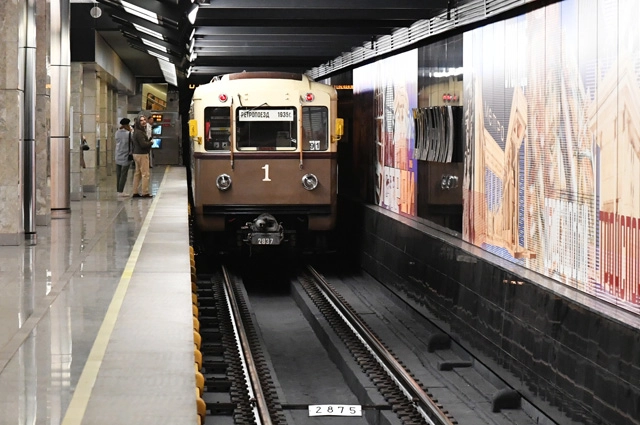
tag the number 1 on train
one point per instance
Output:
(266, 173)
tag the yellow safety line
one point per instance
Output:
(82, 394)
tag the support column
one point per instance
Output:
(103, 134)
(43, 112)
(27, 54)
(122, 107)
(11, 104)
(90, 128)
(75, 174)
(60, 71)
(111, 112)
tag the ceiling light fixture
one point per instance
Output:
(148, 31)
(158, 55)
(193, 13)
(169, 72)
(95, 11)
(154, 45)
(139, 12)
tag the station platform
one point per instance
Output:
(96, 319)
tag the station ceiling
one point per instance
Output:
(236, 35)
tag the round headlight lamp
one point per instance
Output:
(309, 181)
(223, 182)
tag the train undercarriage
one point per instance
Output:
(265, 234)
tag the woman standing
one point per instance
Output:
(122, 152)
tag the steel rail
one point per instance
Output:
(412, 390)
(256, 394)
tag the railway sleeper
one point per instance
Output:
(212, 348)
(208, 312)
(208, 321)
(217, 383)
(215, 366)
(204, 301)
(220, 408)
(209, 334)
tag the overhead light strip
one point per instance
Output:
(148, 31)
(140, 12)
(193, 14)
(169, 72)
(158, 55)
(154, 45)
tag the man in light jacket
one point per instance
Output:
(141, 149)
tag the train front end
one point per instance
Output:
(265, 161)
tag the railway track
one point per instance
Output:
(257, 348)
(237, 382)
(406, 396)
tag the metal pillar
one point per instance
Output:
(27, 52)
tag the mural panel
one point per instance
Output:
(393, 83)
(553, 152)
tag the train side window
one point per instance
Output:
(315, 128)
(217, 124)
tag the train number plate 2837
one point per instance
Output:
(265, 239)
(335, 410)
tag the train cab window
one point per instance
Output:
(315, 128)
(266, 128)
(217, 122)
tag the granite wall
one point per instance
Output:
(548, 341)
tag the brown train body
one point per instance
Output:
(250, 194)
(250, 190)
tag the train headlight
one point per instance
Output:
(223, 182)
(309, 181)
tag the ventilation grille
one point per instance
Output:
(469, 13)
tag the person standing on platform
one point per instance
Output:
(150, 136)
(122, 155)
(141, 149)
(84, 146)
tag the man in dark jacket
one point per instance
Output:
(141, 149)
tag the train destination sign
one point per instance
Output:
(265, 115)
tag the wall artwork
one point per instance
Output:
(552, 106)
(393, 85)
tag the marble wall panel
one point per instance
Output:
(76, 102)
(10, 13)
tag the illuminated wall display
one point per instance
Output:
(551, 105)
(555, 157)
(393, 84)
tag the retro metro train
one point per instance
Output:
(264, 160)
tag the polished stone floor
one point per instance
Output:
(108, 282)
